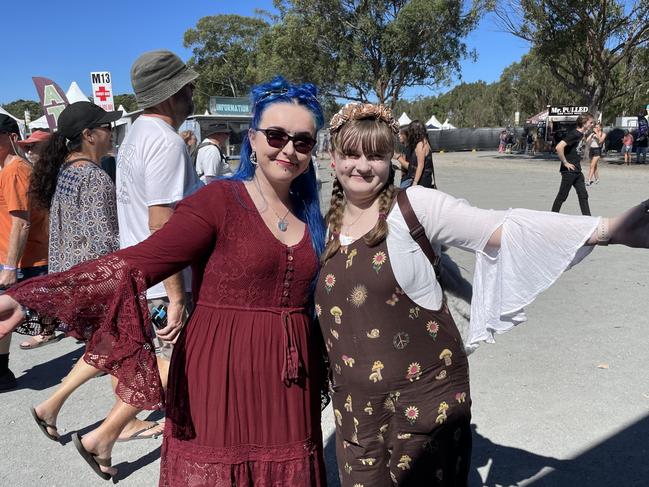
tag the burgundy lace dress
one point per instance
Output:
(243, 404)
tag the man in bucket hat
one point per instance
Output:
(154, 172)
(211, 161)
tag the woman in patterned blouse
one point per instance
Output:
(80, 196)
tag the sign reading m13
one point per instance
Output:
(102, 90)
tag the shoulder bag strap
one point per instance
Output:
(417, 231)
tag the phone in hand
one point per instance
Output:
(159, 316)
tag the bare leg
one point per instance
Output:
(49, 409)
(591, 171)
(101, 440)
(137, 425)
(595, 167)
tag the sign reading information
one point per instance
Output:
(102, 90)
(230, 106)
(567, 110)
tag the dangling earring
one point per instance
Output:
(253, 158)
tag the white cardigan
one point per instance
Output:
(536, 248)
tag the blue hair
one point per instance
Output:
(304, 189)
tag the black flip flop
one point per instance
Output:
(93, 460)
(42, 425)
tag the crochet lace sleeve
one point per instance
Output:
(103, 301)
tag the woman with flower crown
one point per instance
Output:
(399, 371)
(243, 401)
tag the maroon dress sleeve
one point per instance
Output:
(103, 301)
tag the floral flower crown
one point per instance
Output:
(361, 111)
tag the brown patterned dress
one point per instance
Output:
(400, 377)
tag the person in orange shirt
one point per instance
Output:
(23, 233)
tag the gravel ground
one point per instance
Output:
(562, 400)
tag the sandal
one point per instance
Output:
(94, 461)
(43, 426)
(139, 436)
(34, 342)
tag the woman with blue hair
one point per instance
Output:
(243, 401)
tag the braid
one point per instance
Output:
(380, 230)
(334, 221)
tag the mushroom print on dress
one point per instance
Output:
(387, 356)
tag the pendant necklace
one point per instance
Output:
(282, 222)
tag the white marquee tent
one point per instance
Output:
(404, 119)
(74, 94)
(448, 125)
(433, 123)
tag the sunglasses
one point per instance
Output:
(278, 138)
(106, 126)
(30, 147)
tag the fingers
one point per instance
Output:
(170, 332)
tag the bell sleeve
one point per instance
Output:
(536, 248)
(103, 301)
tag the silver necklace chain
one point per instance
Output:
(282, 222)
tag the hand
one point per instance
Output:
(7, 279)
(572, 167)
(11, 315)
(632, 227)
(175, 322)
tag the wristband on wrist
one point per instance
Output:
(603, 235)
(8, 268)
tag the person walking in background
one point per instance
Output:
(401, 157)
(23, 232)
(80, 197)
(502, 141)
(627, 146)
(595, 142)
(211, 161)
(420, 156)
(642, 141)
(570, 151)
(34, 144)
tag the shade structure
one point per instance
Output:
(433, 123)
(404, 119)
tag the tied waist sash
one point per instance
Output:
(291, 364)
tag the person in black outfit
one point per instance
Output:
(420, 156)
(570, 151)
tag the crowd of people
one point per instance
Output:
(227, 300)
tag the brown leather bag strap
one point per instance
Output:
(417, 231)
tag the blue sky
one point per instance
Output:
(67, 39)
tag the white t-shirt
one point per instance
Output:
(536, 248)
(209, 163)
(153, 168)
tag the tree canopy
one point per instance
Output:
(224, 52)
(372, 50)
(590, 46)
(17, 108)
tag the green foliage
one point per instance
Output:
(584, 43)
(127, 100)
(370, 50)
(17, 108)
(225, 49)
